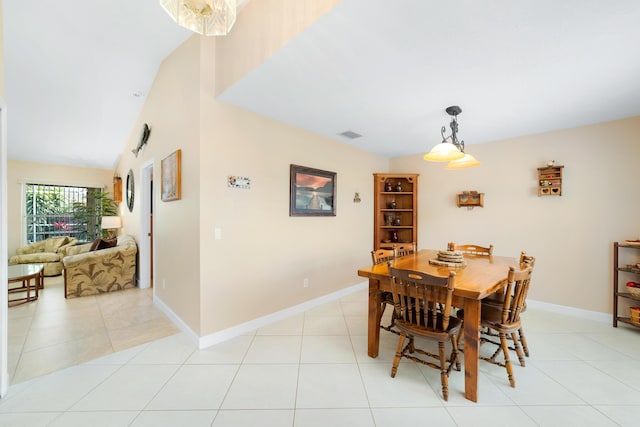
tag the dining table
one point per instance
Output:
(478, 277)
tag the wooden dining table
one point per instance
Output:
(481, 276)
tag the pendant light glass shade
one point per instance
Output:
(206, 17)
(444, 152)
(468, 161)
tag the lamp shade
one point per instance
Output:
(206, 17)
(444, 152)
(468, 161)
(109, 222)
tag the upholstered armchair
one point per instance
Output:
(48, 252)
(90, 272)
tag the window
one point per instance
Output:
(53, 210)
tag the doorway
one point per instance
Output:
(146, 226)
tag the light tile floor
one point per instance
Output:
(312, 370)
(52, 333)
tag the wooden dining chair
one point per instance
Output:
(405, 249)
(475, 249)
(470, 249)
(505, 320)
(380, 256)
(423, 306)
(497, 299)
(527, 259)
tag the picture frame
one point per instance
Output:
(171, 172)
(312, 192)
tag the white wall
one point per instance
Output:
(571, 235)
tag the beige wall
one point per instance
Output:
(172, 112)
(259, 265)
(571, 235)
(21, 172)
(196, 276)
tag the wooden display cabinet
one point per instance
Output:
(395, 209)
(628, 272)
(550, 181)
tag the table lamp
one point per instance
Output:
(111, 224)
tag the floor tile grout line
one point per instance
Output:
(235, 375)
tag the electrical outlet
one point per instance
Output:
(305, 282)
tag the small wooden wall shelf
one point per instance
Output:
(470, 199)
(550, 181)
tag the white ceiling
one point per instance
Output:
(72, 68)
(515, 67)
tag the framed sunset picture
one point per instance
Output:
(312, 192)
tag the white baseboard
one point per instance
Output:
(571, 311)
(243, 328)
(176, 319)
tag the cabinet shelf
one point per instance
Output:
(628, 295)
(617, 294)
(404, 210)
(628, 320)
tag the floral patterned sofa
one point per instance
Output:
(99, 271)
(48, 252)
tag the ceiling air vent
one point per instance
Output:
(350, 134)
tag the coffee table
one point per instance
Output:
(23, 274)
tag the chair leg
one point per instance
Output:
(396, 359)
(383, 305)
(523, 341)
(507, 363)
(393, 319)
(455, 356)
(444, 374)
(516, 344)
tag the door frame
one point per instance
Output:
(4, 305)
(146, 176)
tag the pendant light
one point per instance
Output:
(451, 149)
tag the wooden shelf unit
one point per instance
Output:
(629, 272)
(550, 181)
(395, 212)
(470, 199)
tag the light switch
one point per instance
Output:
(217, 233)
